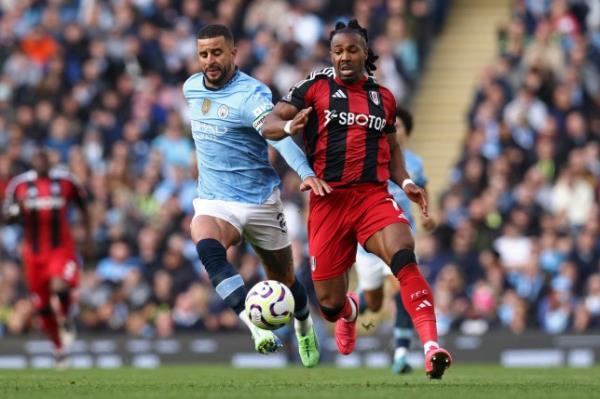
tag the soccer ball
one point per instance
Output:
(269, 305)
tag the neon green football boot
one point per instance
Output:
(265, 341)
(308, 348)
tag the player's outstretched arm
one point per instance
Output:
(400, 176)
(284, 120)
(296, 159)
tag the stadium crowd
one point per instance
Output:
(99, 82)
(518, 244)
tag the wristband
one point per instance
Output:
(287, 128)
(406, 182)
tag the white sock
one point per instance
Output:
(244, 317)
(430, 344)
(400, 352)
(354, 312)
(302, 327)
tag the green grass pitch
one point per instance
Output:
(207, 381)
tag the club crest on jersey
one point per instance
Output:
(205, 105)
(223, 111)
(375, 97)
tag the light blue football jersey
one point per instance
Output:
(414, 167)
(232, 156)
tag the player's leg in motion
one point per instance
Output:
(403, 332)
(64, 276)
(370, 275)
(339, 306)
(371, 272)
(212, 236)
(395, 245)
(37, 275)
(62, 290)
(279, 266)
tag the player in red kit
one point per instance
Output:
(40, 200)
(348, 124)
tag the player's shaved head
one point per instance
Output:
(40, 161)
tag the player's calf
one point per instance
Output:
(223, 276)
(50, 325)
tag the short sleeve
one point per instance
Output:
(257, 107)
(299, 94)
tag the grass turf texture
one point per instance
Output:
(461, 381)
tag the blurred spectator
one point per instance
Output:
(115, 268)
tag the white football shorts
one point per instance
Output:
(263, 225)
(370, 270)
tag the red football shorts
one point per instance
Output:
(343, 218)
(40, 268)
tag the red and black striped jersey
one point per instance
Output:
(345, 137)
(43, 204)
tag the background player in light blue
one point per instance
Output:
(371, 270)
(238, 193)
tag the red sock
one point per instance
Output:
(50, 327)
(348, 309)
(418, 301)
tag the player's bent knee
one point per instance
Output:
(59, 285)
(331, 314)
(402, 258)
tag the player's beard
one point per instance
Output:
(220, 80)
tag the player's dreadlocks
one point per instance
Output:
(354, 27)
